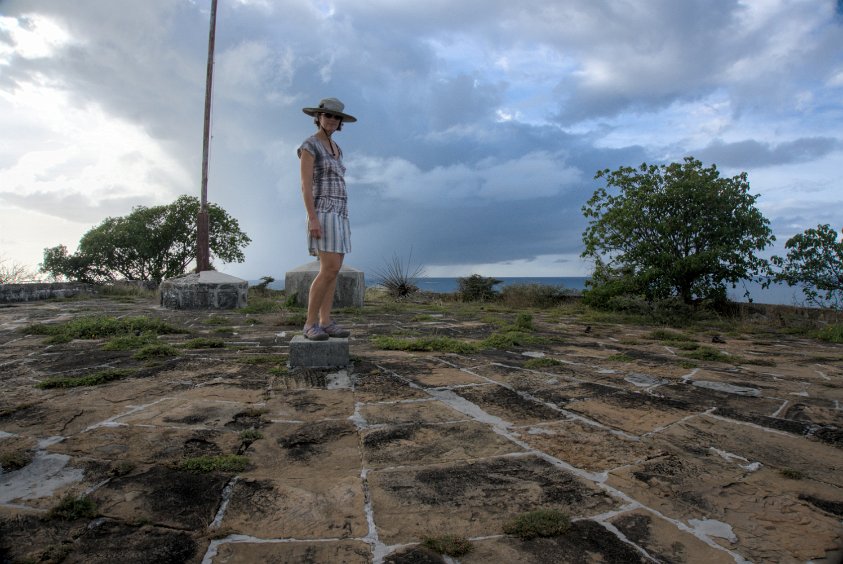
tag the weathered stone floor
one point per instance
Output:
(655, 458)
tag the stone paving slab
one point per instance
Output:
(653, 459)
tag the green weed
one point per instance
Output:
(156, 350)
(250, 435)
(129, 342)
(16, 459)
(540, 523)
(710, 354)
(99, 327)
(545, 362)
(427, 344)
(792, 474)
(95, 379)
(831, 333)
(620, 357)
(73, 507)
(452, 545)
(220, 463)
(670, 336)
(509, 339)
(262, 305)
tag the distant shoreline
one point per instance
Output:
(776, 294)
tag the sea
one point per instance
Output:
(779, 294)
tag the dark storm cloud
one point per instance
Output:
(751, 153)
(482, 122)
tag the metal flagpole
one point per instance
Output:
(203, 253)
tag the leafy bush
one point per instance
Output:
(832, 333)
(476, 288)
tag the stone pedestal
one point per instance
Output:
(305, 353)
(351, 285)
(208, 289)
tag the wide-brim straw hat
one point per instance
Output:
(330, 106)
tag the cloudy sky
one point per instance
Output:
(481, 122)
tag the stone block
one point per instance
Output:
(305, 353)
(351, 285)
(208, 289)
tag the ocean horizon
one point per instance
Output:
(776, 294)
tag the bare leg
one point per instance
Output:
(321, 295)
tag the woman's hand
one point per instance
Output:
(315, 228)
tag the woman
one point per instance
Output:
(326, 202)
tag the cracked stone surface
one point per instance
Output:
(654, 456)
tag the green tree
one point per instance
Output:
(148, 244)
(676, 230)
(815, 261)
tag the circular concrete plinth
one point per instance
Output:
(208, 289)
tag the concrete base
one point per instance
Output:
(305, 353)
(351, 285)
(208, 289)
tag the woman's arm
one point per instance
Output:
(313, 226)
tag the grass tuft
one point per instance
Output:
(100, 327)
(792, 474)
(512, 338)
(15, 460)
(73, 507)
(220, 463)
(710, 354)
(426, 344)
(545, 362)
(262, 305)
(95, 379)
(129, 342)
(452, 545)
(539, 523)
(156, 350)
(670, 336)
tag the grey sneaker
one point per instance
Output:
(334, 330)
(315, 333)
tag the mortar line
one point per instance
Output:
(501, 428)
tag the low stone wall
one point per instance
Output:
(12, 293)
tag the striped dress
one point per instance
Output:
(330, 199)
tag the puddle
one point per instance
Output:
(40, 478)
(727, 388)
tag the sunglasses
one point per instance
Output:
(332, 116)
